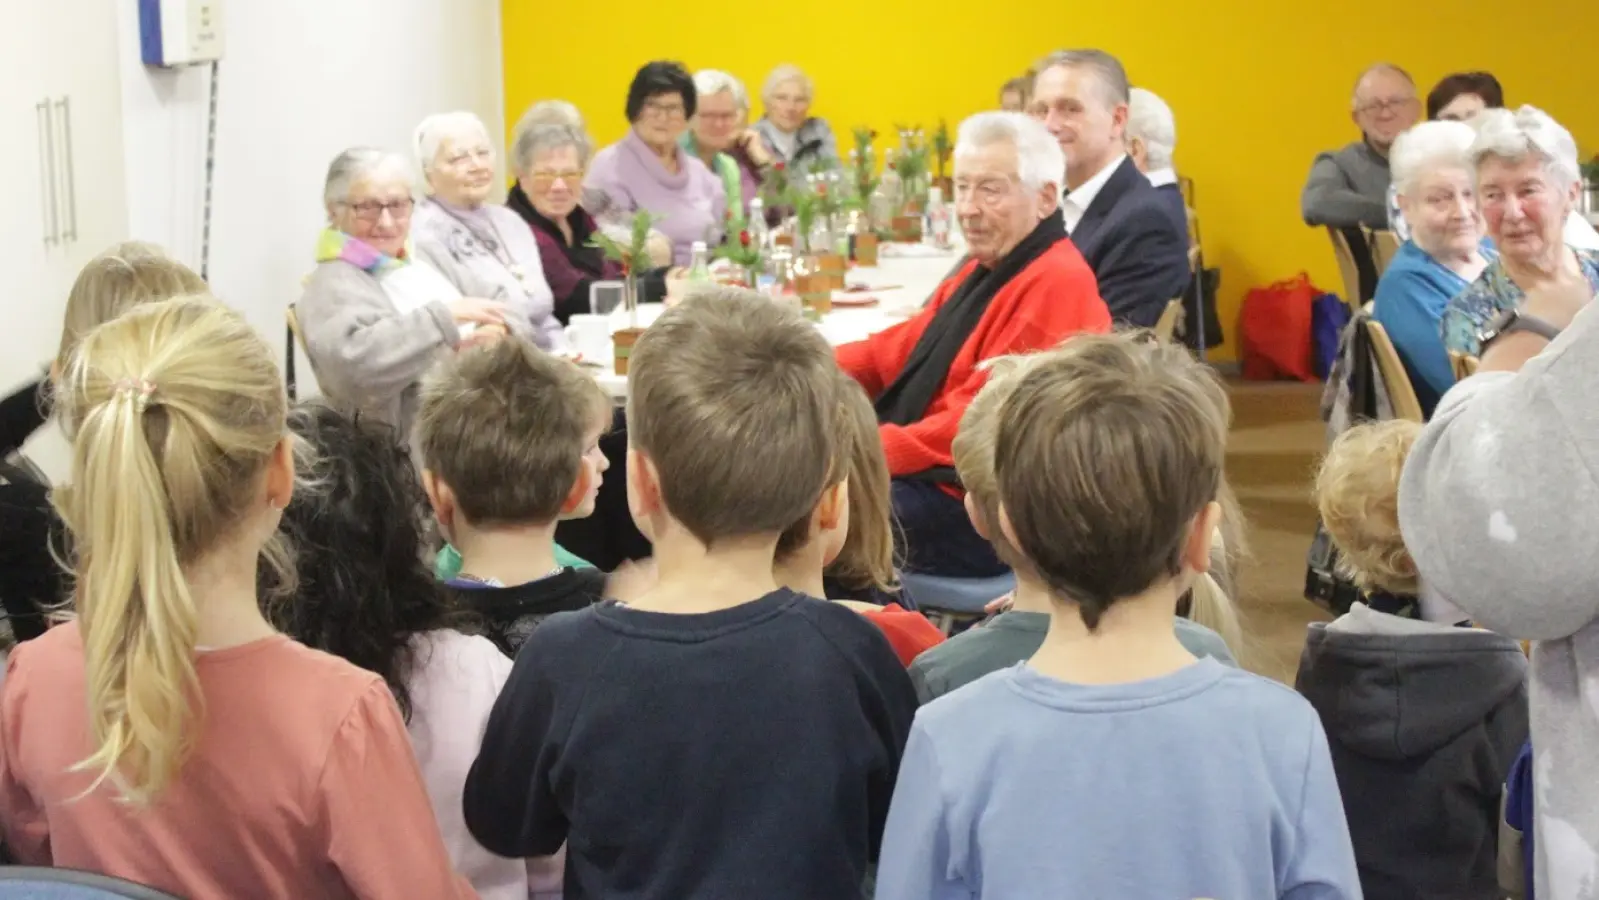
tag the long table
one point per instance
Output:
(909, 279)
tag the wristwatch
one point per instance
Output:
(1511, 321)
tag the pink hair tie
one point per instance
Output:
(139, 389)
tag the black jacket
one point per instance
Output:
(1138, 253)
(1424, 722)
(21, 414)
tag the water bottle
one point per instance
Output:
(760, 234)
(699, 268)
(937, 217)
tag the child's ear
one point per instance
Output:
(441, 498)
(580, 490)
(643, 487)
(1196, 550)
(979, 521)
(832, 509)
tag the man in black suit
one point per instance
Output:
(1151, 141)
(1115, 217)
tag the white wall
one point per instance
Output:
(300, 80)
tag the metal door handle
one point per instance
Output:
(70, 233)
(47, 172)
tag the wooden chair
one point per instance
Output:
(1170, 319)
(292, 339)
(1347, 270)
(1400, 391)
(1464, 365)
(1384, 245)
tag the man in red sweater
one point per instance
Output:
(1024, 287)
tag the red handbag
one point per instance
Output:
(1274, 331)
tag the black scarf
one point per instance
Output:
(906, 400)
(579, 253)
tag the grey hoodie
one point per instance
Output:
(1423, 721)
(1499, 504)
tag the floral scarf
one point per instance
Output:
(334, 244)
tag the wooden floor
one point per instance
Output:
(1276, 441)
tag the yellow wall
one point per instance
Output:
(1258, 87)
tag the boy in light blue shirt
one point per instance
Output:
(1113, 763)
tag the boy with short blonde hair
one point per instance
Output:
(718, 736)
(1424, 718)
(1113, 763)
(1017, 633)
(509, 442)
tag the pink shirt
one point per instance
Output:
(301, 783)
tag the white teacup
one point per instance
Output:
(590, 336)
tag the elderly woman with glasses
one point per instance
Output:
(471, 241)
(1442, 256)
(648, 170)
(718, 136)
(374, 315)
(1527, 186)
(794, 136)
(548, 161)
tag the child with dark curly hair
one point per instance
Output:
(366, 595)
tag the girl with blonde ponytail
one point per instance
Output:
(218, 759)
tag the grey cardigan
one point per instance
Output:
(461, 247)
(368, 356)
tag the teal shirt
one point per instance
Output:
(447, 564)
(1012, 637)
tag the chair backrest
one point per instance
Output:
(1400, 391)
(1462, 364)
(1384, 245)
(1347, 270)
(37, 883)
(1170, 318)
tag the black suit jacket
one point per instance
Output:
(1138, 254)
(1171, 196)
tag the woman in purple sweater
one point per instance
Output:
(648, 170)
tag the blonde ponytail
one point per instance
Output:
(174, 410)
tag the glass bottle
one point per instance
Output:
(760, 234)
(699, 267)
(937, 217)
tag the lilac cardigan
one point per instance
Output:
(691, 203)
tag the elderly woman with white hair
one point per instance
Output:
(718, 135)
(472, 241)
(374, 315)
(1443, 255)
(1151, 141)
(1023, 287)
(1527, 187)
(791, 133)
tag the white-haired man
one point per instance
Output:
(1112, 213)
(719, 135)
(1023, 287)
(1151, 141)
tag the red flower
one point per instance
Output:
(779, 166)
(744, 238)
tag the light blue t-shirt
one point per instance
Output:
(1209, 782)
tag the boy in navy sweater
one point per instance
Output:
(718, 736)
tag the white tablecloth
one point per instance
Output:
(912, 280)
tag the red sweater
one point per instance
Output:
(1053, 298)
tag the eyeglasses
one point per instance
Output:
(373, 210)
(544, 179)
(1379, 107)
(669, 110)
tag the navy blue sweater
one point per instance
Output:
(749, 752)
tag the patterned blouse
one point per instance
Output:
(1492, 293)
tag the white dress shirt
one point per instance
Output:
(1075, 204)
(1161, 177)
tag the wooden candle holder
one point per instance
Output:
(866, 249)
(906, 228)
(832, 267)
(815, 294)
(622, 340)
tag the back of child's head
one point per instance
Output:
(973, 447)
(505, 426)
(176, 411)
(117, 280)
(732, 403)
(356, 529)
(1357, 493)
(1109, 451)
(864, 560)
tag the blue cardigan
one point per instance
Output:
(1410, 300)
